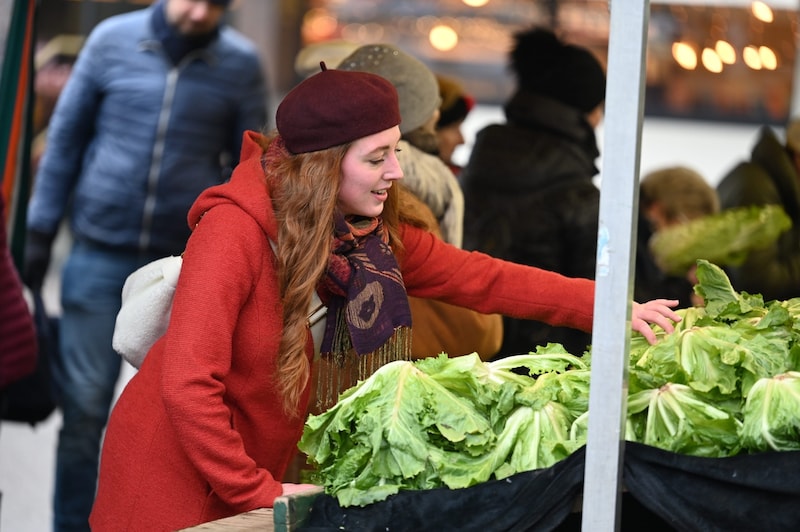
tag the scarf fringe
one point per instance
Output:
(341, 369)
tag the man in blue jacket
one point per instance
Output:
(153, 113)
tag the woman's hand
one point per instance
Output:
(289, 488)
(658, 311)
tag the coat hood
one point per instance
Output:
(247, 189)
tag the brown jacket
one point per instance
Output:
(443, 328)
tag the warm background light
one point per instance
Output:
(475, 3)
(762, 12)
(318, 24)
(711, 61)
(443, 37)
(751, 57)
(684, 55)
(725, 52)
(769, 60)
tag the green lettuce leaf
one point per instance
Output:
(772, 414)
(724, 238)
(678, 419)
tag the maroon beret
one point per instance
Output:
(335, 107)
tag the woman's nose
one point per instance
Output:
(393, 169)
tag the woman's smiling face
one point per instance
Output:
(368, 169)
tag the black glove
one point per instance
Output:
(37, 258)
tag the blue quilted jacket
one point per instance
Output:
(134, 139)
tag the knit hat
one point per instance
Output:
(547, 66)
(335, 107)
(456, 104)
(793, 135)
(416, 85)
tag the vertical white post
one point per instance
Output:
(794, 104)
(615, 252)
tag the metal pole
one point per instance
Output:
(615, 251)
(794, 104)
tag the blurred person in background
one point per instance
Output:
(425, 174)
(770, 177)
(54, 61)
(667, 197)
(18, 343)
(528, 185)
(433, 194)
(456, 105)
(153, 113)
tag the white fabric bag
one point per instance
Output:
(147, 304)
(146, 307)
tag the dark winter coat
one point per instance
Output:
(530, 199)
(768, 178)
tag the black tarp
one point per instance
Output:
(662, 491)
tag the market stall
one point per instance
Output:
(664, 491)
(609, 483)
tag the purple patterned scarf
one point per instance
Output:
(369, 303)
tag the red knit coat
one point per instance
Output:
(18, 344)
(198, 433)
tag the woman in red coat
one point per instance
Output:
(207, 426)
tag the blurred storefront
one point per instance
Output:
(709, 60)
(731, 60)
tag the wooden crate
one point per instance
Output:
(288, 514)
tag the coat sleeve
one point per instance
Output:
(434, 269)
(69, 135)
(222, 262)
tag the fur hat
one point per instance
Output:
(793, 135)
(565, 72)
(415, 83)
(335, 107)
(456, 104)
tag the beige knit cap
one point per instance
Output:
(792, 134)
(416, 85)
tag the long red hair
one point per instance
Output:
(304, 189)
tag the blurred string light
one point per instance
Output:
(768, 58)
(684, 55)
(475, 3)
(318, 24)
(443, 37)
(711, 60)
(762, 11)
(723, 53)
(760, 58)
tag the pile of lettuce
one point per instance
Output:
(725, 238)
(726, 381)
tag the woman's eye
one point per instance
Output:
(376, 162)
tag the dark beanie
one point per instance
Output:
(335, 107)
(565, 72)
(456, 104)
